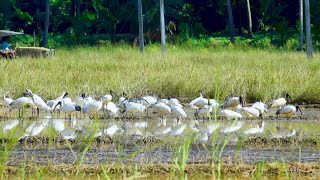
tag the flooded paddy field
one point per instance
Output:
(154, 145)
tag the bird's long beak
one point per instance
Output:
(298, 108)
(145, 101)
(65, 95)
(59, 103)
(241, 100)
(114, 93)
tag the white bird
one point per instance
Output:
(280, 102)
(108, 98)
(250, 112)
(121, 100)
(92, 107)
(67, 106)
(149, 100)
(232, 128)
(79, 101)
(229, 114)
(6, 101)
(10, 125)
(203, 112)
(199, 102)
(133, 107)
(21, 102)
(288, 111)
(177, 111)
(254, 130)
(161, 109)
(166, 101)
(173, 102)
(112, 109)
(213, 103)
(38, 102)
(262, 107)
(52, 103)
(232, 103)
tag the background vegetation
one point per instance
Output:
(253, 73)
(76, 22)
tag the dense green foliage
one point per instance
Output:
(94, 21)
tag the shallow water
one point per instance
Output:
(136, 148)
(147, 141)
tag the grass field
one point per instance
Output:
(256, 74)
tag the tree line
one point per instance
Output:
(118, 19)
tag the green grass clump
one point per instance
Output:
(183, 71)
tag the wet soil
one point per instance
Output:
(155, 154)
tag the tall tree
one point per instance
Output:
(163, 34)
(75, 7)
(231, 24)
(44, 41)
(140, 21)
(249, 17)
(301, 24)
(308, 29)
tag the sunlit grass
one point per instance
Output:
(252, 73)
(255, 74)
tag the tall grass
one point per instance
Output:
(253, 73)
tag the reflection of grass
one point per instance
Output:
(182, 154)
(6, 147)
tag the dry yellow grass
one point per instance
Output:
(255, 74)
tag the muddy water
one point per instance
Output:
(131, 155)
(280, 141)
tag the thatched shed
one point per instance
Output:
(32, 51)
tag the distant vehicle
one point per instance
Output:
(23, 51)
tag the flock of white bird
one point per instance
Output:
(202, 107)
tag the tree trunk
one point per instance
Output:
(231, 25)
(308, 29)
(163, 33)
(44, 41)
(78, 4)
(140, 21)
(75, 7)
(249, 18)
(301, 25)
